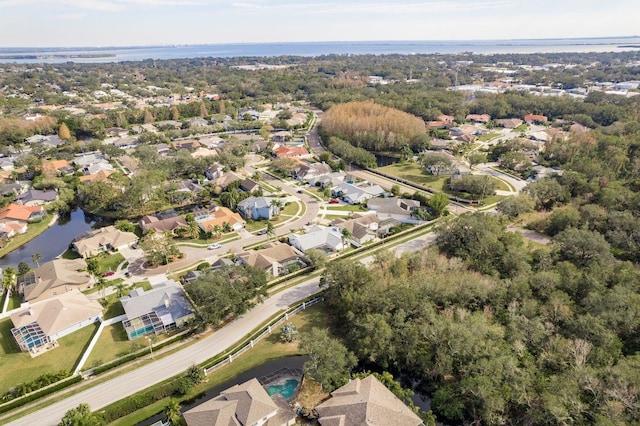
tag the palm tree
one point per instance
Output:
(172, 411)
(271, 230)
(277, 205)
(121, 289)
(36, 257)
(217, 231)
(102, 284)
(193, 229)
(9, 275)
(346, 234)
(226, 227)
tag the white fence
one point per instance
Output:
(249, 344)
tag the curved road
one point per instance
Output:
(129, 383)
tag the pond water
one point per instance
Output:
(52, 242)
(291, 362)
(386, 160)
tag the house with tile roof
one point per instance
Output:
(157, 311)
(478, 118)
(283, 151)
(535, 119)
(104, 239)
(275, 258)
(154, 224)
(54, 278)
(246, 404)
(22, 213)
(218, 216)
(9, 229)
(38, 326)
(362, 227)
(400, 209)
(307, 171)
(100, 176)
(365, 402)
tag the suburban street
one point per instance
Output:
(129, 383)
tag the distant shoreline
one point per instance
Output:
(54, 57)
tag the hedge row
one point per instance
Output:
(38, 383)
(39, 394)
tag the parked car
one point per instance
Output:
(333, 201)
(262, 231)
(214, 246)
(134, 246)
(300, 191)
(107, 274)
(127, 274)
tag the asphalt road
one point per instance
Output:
(129, 383)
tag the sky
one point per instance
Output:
(72, 23)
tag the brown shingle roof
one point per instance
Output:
(63, 274)
(365, 402)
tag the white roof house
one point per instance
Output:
(353, 194)
(318, 237)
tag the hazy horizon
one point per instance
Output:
(124, 23)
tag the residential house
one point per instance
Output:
(127, 142)
(104, 239)
(400, 209)
(22, 213)
(318, 237)
(362, 228)
(436, 124)
(509, 123)
(227, 179)
(16, 188)
(8, 229)
(56, 167)
(186, 190)
(204, 152)
(447, 119)
(162, 148)
(365, 402)
(246, 404)
(275, 258)
(214, 171)
(38, 326)
(197, 122)
(353, 194)
(478, 118)
(100, 176)
(218, 216)
(281, 137)
(258, 208)
(169, 124)
(36, 197)
(283, 151)
(7, 163)
(327, 181)
(535, 119)
(160, 226)
(189, 144)
(249, 185)
(212, 142)
(307, 171)
(52, 141)
(161, 309)
(54, 278)
(85, 160)
(95, 168)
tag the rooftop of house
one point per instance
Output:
(165, 299)
(56, 273)
(161, 225)
(243, 405)
(58, 313)
(266, 257)
(365, 402)
(102, 237)
(19, 212)
(37, 195)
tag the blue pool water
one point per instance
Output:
(285, 389)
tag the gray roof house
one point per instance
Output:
(362, 228)
(365, 402)
(313, 170)
(158, 310)
(35, 197)
(318, 237)
(257, 208)
(246, 404)
(397, 208)
(353, 194)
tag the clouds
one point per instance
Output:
(101, 5)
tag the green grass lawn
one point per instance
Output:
(109, 263)
(113, 343)
(265, 350)
(18, 367)
(488, 137)
(33, 230)
(14, 302)
(416, 173)
(290, 209)
(347, 208)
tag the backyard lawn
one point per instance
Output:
(109, 263)
(113, 343)
(19, 367)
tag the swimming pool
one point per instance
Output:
(286, 388)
